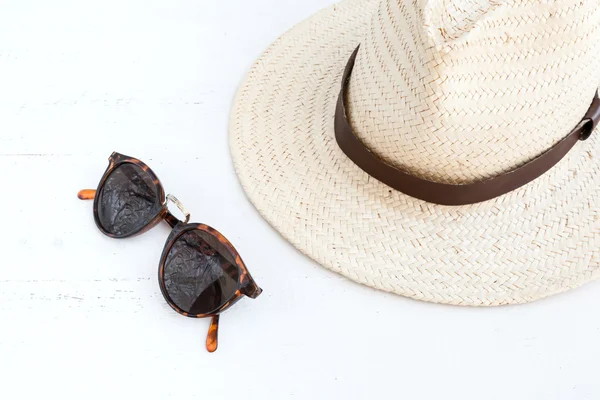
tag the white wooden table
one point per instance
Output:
(81, 315)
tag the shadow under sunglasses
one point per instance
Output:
(200, 273)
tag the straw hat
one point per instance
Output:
(445, 93)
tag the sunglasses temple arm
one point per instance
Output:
(212, 339)
(86, 194)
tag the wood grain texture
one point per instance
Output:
(82, 316)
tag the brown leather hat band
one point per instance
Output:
(447, 194)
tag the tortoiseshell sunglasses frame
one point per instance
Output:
(246, 286)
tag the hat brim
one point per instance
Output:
(534, 242)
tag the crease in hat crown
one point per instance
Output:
(458, 91)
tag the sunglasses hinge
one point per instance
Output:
(252, 290)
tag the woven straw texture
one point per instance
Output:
(450, 90)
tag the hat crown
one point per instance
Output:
(462, 90)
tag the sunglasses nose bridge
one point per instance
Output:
(175, 200)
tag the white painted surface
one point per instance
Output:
(81, 315)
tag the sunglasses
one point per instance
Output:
(200, 272)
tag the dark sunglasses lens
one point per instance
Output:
(200, 274)
(128, 201)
